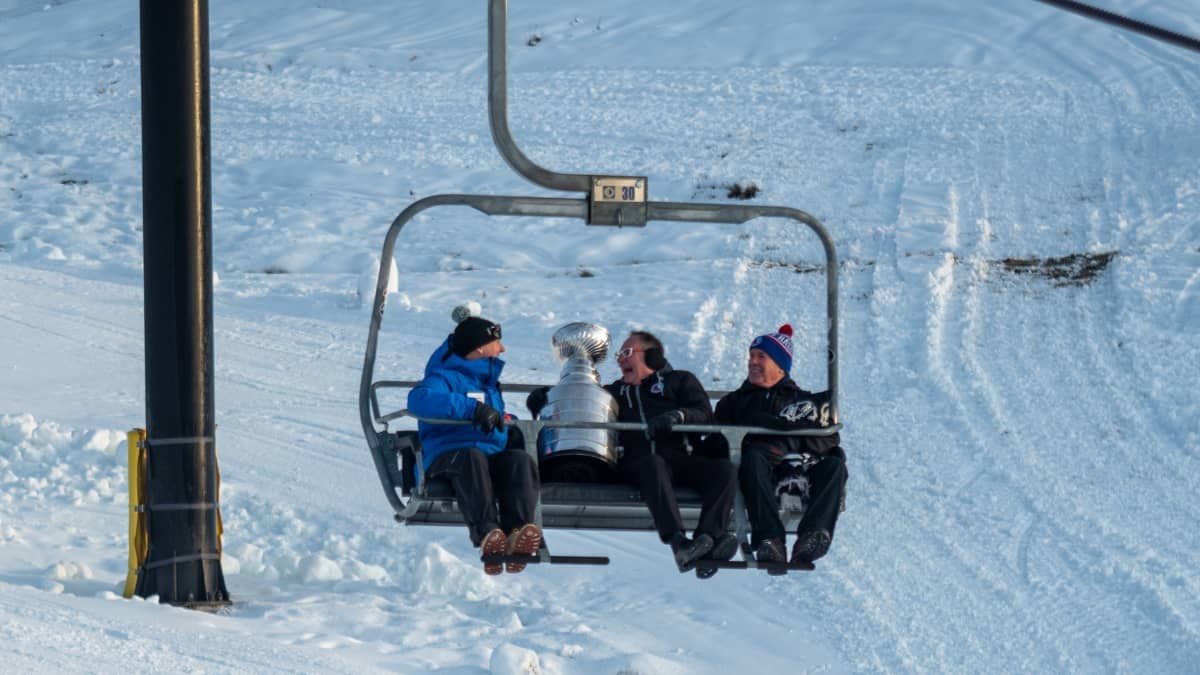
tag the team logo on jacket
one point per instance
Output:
(656, 388)
(806, 410)
(800, 410)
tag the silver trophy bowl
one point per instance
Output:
(579, 455)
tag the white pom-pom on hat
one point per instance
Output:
(467, 309)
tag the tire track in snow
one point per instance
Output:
(1138, 422)
(854, 587)
(1134, 426)
(57, 305)
(1086, 355)
(889, 609)
(720, 321)
(965, 360)
(938, 250)
(305, 413)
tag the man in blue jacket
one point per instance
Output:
(464, 384)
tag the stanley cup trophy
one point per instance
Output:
(579, 455)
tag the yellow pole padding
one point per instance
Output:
(139, 538)
(139, 535)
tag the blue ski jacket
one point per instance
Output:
(450, 390)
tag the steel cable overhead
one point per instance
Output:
(1121, 21)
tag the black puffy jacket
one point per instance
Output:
(663, 391)
(784, 406)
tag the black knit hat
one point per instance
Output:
(473, 332)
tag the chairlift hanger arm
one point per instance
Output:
(498, 110)
(612, 200)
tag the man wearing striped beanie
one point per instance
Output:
(769, 398)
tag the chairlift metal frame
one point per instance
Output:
(611, 200)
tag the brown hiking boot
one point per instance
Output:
(523, 541)
(493, 544)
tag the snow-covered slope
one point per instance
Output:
(1012, 190)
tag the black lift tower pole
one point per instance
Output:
(183, 565)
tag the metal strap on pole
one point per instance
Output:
(195, 557)
(198, 506)
(178, 440)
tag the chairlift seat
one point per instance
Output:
(612, 506)
(575, 493)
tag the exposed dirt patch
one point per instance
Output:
(731, 190)
(737, 191)
(798, 268)
(1077, 269)
(809, 268)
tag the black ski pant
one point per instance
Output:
(480, 480)
(826, 480)
(656, 477)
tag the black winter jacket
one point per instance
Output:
(661, 392)
(784, 406)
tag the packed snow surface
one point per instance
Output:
(1013, 194)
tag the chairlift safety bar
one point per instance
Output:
(578, 208)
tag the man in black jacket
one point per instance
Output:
(650, 392)
(770, 398)
(653, 393)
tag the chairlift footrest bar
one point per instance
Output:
(775, 567)
(552, 560)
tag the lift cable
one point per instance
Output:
(1149, 30)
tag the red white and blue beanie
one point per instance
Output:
(777, 345)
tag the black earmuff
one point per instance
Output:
(654, 358)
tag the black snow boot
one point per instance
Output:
(687, 551)
(723, 549)
(810, 546)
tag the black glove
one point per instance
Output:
(715, 445)
(660, 425)
(537, 400)
(487, 419)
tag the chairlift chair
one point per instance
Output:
(609, 200)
